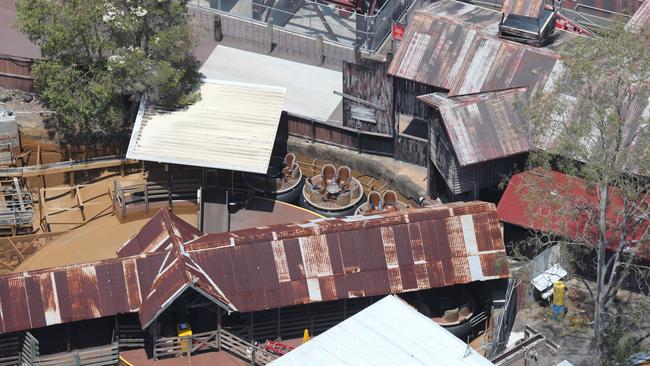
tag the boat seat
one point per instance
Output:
(295, 171)
(390, 200)
(344, 178)
(451, 315)
(343, 199)
(374, 201)
(317, 183)
(329, 173)
(287, 164)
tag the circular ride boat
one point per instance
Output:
(333, 193)
(454, 313)
(283, 181)
(377, 203)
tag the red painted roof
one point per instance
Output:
(553, 202)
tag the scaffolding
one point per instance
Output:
(16, 207)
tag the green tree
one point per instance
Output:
(592, 121)
(100, 57)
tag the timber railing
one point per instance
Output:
(143, 194)
(65, 166)
(342, 136)
(215, 340)
(98, 356)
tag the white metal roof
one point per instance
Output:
(310, 89)
(389, 332)
(232, 127)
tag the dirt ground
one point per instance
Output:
(571, 332)
(99, 238)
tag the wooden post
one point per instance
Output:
(253, 355)
(218, 329)
(313, 131)
(68, 333)
(279, 325)
(345, 309)
(268, 37)
(170, 183)
(77, 359)
(217, 32)
(320, 53)
(252, 326)
(357, 55)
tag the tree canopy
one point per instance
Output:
(100, 57)
(592, 121)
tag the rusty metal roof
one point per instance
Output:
(484, 126)
(330, 259)
(526, 8)
(157, 234)
(270, 267)
(464, 58)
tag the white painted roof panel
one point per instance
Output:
(232, 127)
(389, 332)
(310, 89)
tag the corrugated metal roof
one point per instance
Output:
(388, 332)
(232, 127)
(157, 235)
(269, 267)
(640, 19)
(484, 126)
(553, 202)
(331, 259)
(526, 8)
(461, 57)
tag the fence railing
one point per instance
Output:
(99, 356)
(312, 18)
(143, 194)
(215, 340)
(339, 135)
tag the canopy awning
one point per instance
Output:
(232, 127)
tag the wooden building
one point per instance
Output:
(464, 85)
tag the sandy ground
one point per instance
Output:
(96, 240)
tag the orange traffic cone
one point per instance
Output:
(305, 336)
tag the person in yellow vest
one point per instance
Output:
(558, 306)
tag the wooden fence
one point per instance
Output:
(339, 135)
(215, 340)
(16, 73)
(18, 349)
(141, 196)
(97, 356)
(412, 149)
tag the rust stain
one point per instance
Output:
(280, 259)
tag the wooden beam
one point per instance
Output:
(325, 23)
(20, 255)
(360, 101)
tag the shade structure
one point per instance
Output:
(232, 126)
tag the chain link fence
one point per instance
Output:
(312, 18)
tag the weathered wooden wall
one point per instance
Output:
(470, 178)
(406, 92)
(368, 82)
(16, 73)
(339, 135)
(411, 149)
